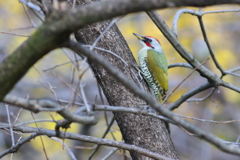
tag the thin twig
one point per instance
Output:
(137, 111)
(209, 46)
(49, 86)
(15, 148)
(82, 91)
(67, 84)
(35, 105)
(108, 51)
(195, 13)
(104, 31)
(23, 28)
(32, 6)
(221, 11)
(28, 16)
(30, 122)
(202, 99)
(43, 146)
(59, 65)
(18, 114)
(209, 121)
(66, 146)
(14, 34)
(104, 135)
(165, 99)
(109, 154)
(185, 65)
(9, 122)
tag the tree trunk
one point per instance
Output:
(142, 131)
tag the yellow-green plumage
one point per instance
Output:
(153, 65)
(158, 67)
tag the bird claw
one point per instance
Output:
(146, 108)
(139, 71)
(140, 75)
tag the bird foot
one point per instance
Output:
(146, 108)
(139, 71)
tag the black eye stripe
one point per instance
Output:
(147, 40)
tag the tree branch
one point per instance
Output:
(38, 105)
(191, 93)
(184, 65)
(15, 148)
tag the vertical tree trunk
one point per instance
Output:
(142, 131)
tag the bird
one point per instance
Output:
(153, 65)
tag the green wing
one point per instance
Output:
(158, 67)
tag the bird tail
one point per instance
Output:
(160, 96)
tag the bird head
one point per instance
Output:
(148, 41)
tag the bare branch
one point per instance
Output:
(209, 46)
(14, 34)
(177, 16)
(25, 123)
(110, 153)
(183, 81)
(138, 111)
(185, 65)
(195, 13)
(191, 93)
(104, 135)
(68, 149)
(9, 122)
(32, 6)
(202, 99)
(102, 49)
(105, 30)
(59, 65)
(15, 148)
(37, 105)
(209, 121)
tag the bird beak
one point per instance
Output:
(139, 37)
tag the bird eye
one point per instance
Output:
(149, 40)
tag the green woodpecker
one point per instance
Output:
(153, 65)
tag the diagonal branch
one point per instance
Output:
(15, 148)
(189, 94)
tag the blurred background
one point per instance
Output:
(51, 76)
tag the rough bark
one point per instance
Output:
(146, 132)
